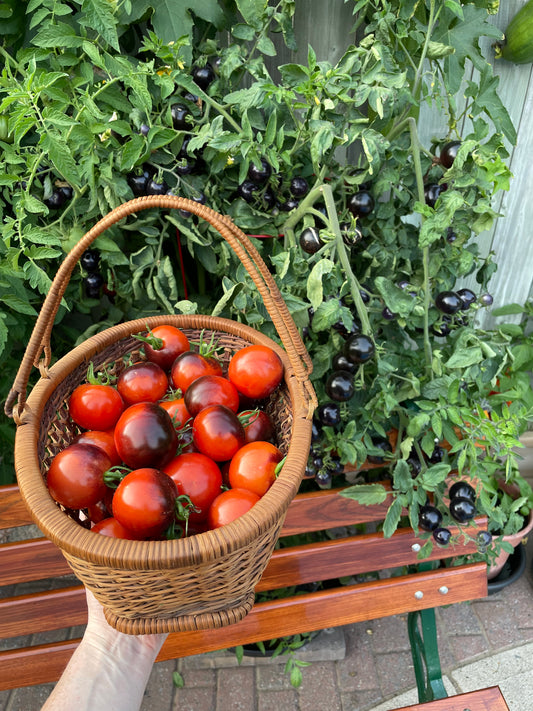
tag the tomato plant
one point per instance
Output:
(145, 436)
(145, 502)
(75, 477)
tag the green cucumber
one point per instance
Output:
(518, 44)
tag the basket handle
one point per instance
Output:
(276, 307)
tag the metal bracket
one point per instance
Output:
(422, 628)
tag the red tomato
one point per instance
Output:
(229, 505)
(142, 382)
(111, 527)
(199, 478)
(257, 425)
(253, 467)
(95, 407)
(145, 436)
(177, 411)
(101, 509)
(75, 478)
(256, 371)
(144, 502)
(191, 365)
(217, 432)
(104, 440)
(164, 344)
(211, 390)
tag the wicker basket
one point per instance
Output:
(204, 581)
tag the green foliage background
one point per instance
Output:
(87, 88)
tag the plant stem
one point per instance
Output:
(415, 150)
(355, 287)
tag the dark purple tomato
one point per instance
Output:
(448, 152)
(442, 536)
(90, 260)
(203, 76)
(154, 187)
(93, 284)
(449, 302)
(138, 184)
(340, 362)
(299, 187)
(361, 204)
(328, 414)
(429, 518)
(56, 200)
(339, 386)
(468, 297)
(246, 190)
(288, 205)
(359, 348)
(310, 240)
(462, 489)
(486, 300)
(181, 117)
(462, 509)
(432, 193)
(259, 174)
(145, 436)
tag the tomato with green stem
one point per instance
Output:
(254, 467)
(191, 365)
(145, 502)
(198, 477)
(163, 344)
(95, 405)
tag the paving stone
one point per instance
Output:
(235, 690)
(29, 698)
(319, 688)
(459, 619)
(395, 672)
(389, 634)
(272, 678)
(465, 647)
(281, 700)
(360, 700)
(160, 688)
(201, 698)
(358, 671)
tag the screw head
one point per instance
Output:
(443, 590)
(419, 594)
(416, 547)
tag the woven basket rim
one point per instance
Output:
(70, 536)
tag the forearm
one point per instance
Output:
(108, 670)
(113, 676)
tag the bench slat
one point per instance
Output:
(13, 511)
(325, 560)
(33, 559)
(276, 618)
(490, 699)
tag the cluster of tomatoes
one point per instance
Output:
(175, 446)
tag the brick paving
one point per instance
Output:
(372, 664)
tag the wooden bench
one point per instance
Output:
(417, 590)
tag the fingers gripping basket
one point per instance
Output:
(203, 581)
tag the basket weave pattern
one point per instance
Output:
(203, 581)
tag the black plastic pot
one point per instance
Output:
(513, 569)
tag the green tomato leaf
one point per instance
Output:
(366, 494)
